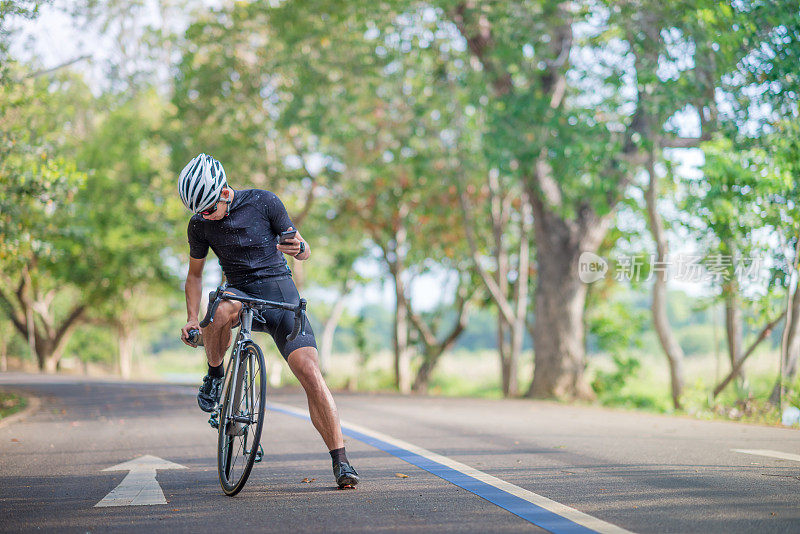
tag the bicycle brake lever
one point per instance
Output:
(213, 302)
(299, 321)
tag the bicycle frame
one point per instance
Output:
(234, 417)
(249, 304)
(234, 371)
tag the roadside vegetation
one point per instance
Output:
(11, 403)
(603, 196)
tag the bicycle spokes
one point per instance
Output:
(241, 419)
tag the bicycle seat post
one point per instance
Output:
(247, 320)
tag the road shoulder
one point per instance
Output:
(33, 404)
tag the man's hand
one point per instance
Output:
(292, 245)
(191, 325)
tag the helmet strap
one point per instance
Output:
(228, 202)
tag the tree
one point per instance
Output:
(785, 152)
(38, 181)
(579, 96)
(510, 295)
(131, 214)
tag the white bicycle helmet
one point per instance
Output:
(201, 182)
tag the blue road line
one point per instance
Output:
(528, 511)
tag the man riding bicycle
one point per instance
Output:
(242, 227)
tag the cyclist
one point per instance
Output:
(242, 228)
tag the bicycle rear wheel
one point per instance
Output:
(241, 420)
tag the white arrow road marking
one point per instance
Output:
(772, 454)
(139, 487)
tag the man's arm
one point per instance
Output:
(292, 247)
(193, 290)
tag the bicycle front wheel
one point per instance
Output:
(241, 419)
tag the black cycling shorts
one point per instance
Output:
(278, 323)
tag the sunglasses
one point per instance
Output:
(213, 207)
(209, 211)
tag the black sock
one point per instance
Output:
(217, 371)
(338, 456)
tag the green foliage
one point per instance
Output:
(37, 179)
(370, 122)
(129, 212)
(93, 344)
(611, 382)
(10, 403)
(698, 340)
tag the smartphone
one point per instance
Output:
(285, 236)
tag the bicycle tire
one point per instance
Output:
(252, 399)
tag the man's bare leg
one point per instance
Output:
(217, 335)
(322, 409)
(321, 406)
(216, 338)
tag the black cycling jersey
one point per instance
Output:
(245, 240)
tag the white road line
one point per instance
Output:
(554, 507)
(139, 487)
(772, 454)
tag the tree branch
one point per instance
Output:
(680, 142)
(74, 316)
(737, 367)
(311, 194)
(478, 44)
(12, 314)
(497, 295)
(42, 72)
(427, 335)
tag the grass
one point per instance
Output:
(648, 388)
(11, 404)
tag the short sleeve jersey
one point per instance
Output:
(245, 241)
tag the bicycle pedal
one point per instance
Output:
(214, 420)
(259, 454)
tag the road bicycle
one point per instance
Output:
(240, 415)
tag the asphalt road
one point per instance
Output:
(643, 473)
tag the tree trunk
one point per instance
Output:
(670, 346)
(125, 339)
(395, 258)
(559, 329)
(560, 299)
(792, 352)
(733, 326)
(520, 321)
(511, 311)
(423, 377)
(51, 349)
(49, 364)
(433, 348)
(790, 346)
(329, 328)
(503, 350)
(402, 352)
(44, 335)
